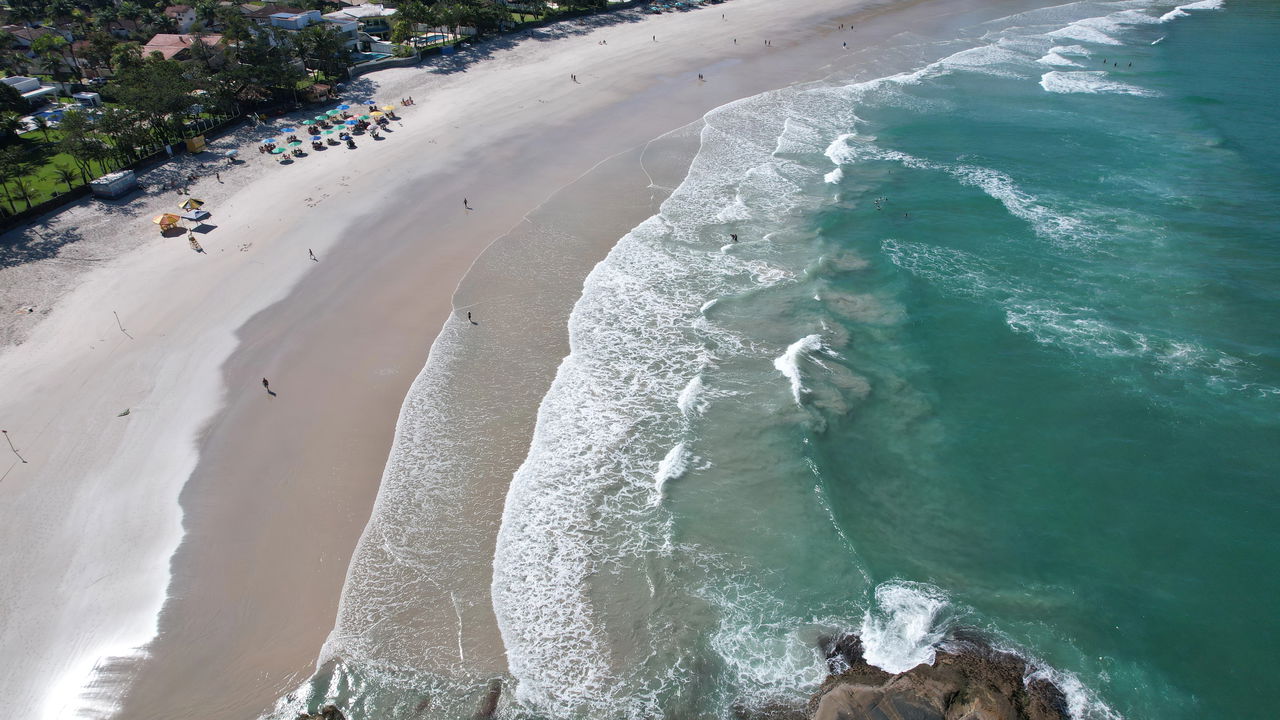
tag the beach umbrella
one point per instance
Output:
(166, 220)
(295, 143)
(231, 153)
(377, 113)
(277, 150)
(321, 118)
(330, 132)
(269, 141)
(388, 108)
(331, 113)
(366, 117)
(352, 122)
(191, 204)
(195, 215)
(308, 122)
(288, 130)
(344, 107)
(315, 138)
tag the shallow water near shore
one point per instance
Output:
(993, 349)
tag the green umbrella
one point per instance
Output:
(321, 118)
(308, 122)
(331, 113)
(277, 150)
(295, 143)
(366, 117)
(330, 132)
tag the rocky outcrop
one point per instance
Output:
(969, 680)
(328, 712)
(489, 704)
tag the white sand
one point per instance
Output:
(94, 517)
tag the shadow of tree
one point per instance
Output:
(35, 242)
(470, 53)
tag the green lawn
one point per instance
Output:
(43, 158)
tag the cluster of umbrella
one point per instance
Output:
(330, 116)
(194, 213)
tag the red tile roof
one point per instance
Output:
(169, 45)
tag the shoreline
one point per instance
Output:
(287, 325)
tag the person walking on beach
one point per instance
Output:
(465, 204)
(733, 236)
(469, 318)
(266, 385)
(313, 255)
(700, 78)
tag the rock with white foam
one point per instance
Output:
(968, 680)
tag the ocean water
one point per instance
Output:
(996, 348)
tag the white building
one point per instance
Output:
(30, 88)
(183, 15)
(370, 19)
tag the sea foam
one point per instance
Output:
(1094, 82)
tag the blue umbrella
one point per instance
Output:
(344, 107)
(315, 137)
(269, 141)
(287, 130)
(352, 121)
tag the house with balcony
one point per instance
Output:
(370, 19)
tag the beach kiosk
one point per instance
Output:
(114, 185)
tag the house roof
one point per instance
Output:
(174, 11)
(267, 11)
(27, 33)
(169, 45)
(362, 11)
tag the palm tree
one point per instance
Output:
(65, 174)
(104, 17)
(11, 166)
(10, 126)
(25, 189)
(42, 124)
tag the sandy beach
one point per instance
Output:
(194, 549)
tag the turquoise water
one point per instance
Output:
(996, 349)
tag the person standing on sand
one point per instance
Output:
(465, 205)
(313, 255)
(266, 385)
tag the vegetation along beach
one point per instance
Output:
(550, 361)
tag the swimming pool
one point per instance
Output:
(364, 57)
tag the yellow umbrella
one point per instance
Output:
(166, 220)
(388, 108)
(191, 204)
(377, 113)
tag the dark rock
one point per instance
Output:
(328, 712)
(969, 680)
(489, 705)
